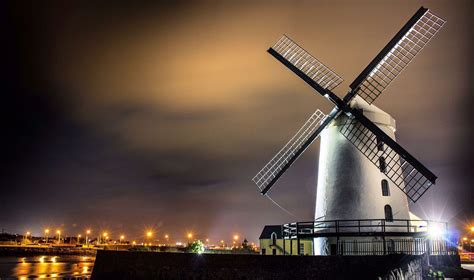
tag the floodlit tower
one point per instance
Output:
(363, 172)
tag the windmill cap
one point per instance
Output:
(373, 113)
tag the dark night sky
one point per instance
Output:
(121, 117)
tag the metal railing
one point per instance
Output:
(415, 246)
(361, 226)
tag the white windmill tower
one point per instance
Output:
(360, 162)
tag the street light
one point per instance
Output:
(236, 237)
(149, 234)
(46, 233)
(79, 238)
(58, 232)
(87, 236)
(122, 237)
(190, 236)
(472, 228)
(105, 234)
(26, 236)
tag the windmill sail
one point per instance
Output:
(403, 169)
(311, 70)
(407, 173)
(311, 129)
(396, 55)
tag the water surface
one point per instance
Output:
(46, 267)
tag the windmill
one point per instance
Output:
(359, 157)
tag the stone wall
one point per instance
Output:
(151, 265)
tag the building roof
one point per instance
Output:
(269, 229)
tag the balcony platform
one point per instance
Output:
(361, 227)
(370, 236)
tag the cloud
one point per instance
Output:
(163, 113)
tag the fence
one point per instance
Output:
(415, 246)
(322, 228)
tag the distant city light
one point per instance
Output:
(149, 233)
(122, 237)
(88, 231)
(59, 235)
(464, 239)
(236, 237)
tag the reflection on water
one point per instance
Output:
(47, 267)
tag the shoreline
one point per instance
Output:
(19, 251)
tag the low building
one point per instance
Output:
(272, 243)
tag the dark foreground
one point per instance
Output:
(149, 265)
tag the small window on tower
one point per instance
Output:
(382, 165)
(379, 145)
(385, 189)
(388, 213)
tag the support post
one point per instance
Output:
(298, 239)
(299, 242)
(428, 247)
(291, 246)
(384, 245)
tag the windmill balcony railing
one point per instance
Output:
(362, 226)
